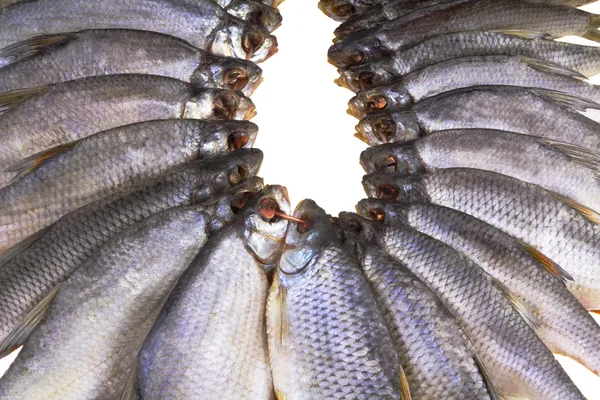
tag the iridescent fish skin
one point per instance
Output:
(323, 320)
(217, 314)
(202, 23)
(65, 57)
(536, 112)
(69, 111)
(518, 363)
(132, 155)
(102, 313)
(524, 211)
(30, 275)
(583, 59)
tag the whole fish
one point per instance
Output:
(252, 11)
(383, 71)
(59, 114)
(437, 358)
(471, 71)
(202, 23)
(535, 279)
(63, 57)
(504, 15)
(561, 168)
(554, 226)
(131, 155)
(102, 313)
(323, 320)
(32, 269)
(518, 363)
(216, 312)
(394, 10)
(535, 112)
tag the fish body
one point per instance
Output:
(512, 263)
(323, 320)
(30, 275)
(216, 312)
(504, 15)
(583, 59)
(524, 211)
(69, 111)
(517, 361)
(471, 71)
(536, 112)
(202, 23)
(132, 155)
(563, 169)
(65, 57)
(102, 313)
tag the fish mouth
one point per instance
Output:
(256, 46)
(236, 79)
(338, 10)
(376, 131)
(356, 108)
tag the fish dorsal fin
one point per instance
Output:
(32, 163)
(33, 46)
(12, 99)
(11, 252)
(553, 268)
(130, 390)
(487, 378)
(586, 212)
(518, 305)
(28, 324)
(404, 388)
(551, 68)
(566, 100)
(525, 34)
(586, 157)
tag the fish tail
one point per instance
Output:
(592, 31)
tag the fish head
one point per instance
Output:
(304, 241)
(358, 48)
(366, 76)
(246, 41)
(382, 211)
(360, 22)
(216, 137)
(383, 98)
(256, 13)
(338, 10)
(407, 189)
(388, 127)
(264, 228)
(228, 73)
(219, 104)
(401, 158)
(227, 205)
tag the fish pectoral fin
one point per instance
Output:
(586, 157)
(524, 33)
(566, 100)
(32, 163)
(551, 68)
(586, 212)
(404, 388)
(11, 252)
(518, 305)
(130, 390)
(487, 378)
(22, 331)
(13, 98)
(549, 265)
(33, 46)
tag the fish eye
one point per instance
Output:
(377, 102)
(387, 191)
(237, 175)
(389, 163)
(240, 200)
(366, 79)
(376, 214)
(268, 208)
(236, 79)
(306, 226)
(237, 140)
(343, 10)
(384, 129)
(225, 105)
(251, 42)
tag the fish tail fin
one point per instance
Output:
(592, 31)
(31, 321)
(130, 390)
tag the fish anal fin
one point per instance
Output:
(10, 253)
(518, 305)
(586, 212)
(130, 390)
(487, 378)
(9, 100)
(22, 331)
(524, 33)
(566, 100)
(549, 265)
(33, 46)
(552, 68)
(404, 388)
(32, 163)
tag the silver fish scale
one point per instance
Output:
(510, 350)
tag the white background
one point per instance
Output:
(306, 135)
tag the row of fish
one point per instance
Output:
(483, 176)
(127, 164)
